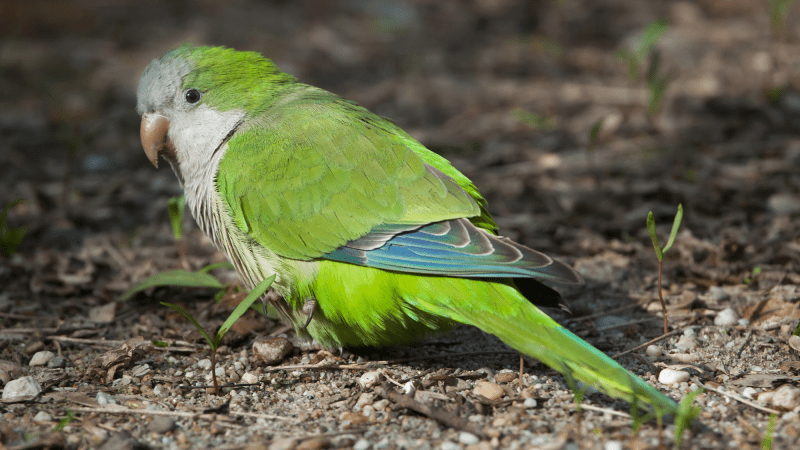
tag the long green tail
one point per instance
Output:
(525, 328)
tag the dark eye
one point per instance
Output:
(193, 96)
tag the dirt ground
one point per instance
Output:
(507, 90)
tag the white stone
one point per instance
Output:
(159, 390)
(365, 399)
(370, 379)
(42, 416)
(361, 444)
(670, 376)
(21, 387)
(104, 399)
(686, 343)
(653, 350)
(467, 438)
(41, 358)
(204, 364)
(530, 403)
(249, 378)
(743, 323)
(786, 397)
(726, 318)
(749, 392)
(447, 445)
(613, 445)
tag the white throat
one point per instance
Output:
(199, 140)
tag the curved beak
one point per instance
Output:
(153, 133)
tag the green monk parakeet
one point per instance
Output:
(375, 240)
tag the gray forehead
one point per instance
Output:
(159, 82)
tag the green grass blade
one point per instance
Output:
(652, 33)
(215, 266)
(595, 131)
(685, 415)
(245, 304)
(651, 228)
(675, 225)
(186, 314)
(180, 278)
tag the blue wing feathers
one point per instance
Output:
(453, 248)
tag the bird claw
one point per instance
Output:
(271, 297)
(308, 308)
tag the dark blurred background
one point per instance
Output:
(508, 90)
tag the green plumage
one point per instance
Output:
(354, 214)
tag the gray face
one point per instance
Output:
(161, 84)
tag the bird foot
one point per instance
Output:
(271, 297)
(308, 308)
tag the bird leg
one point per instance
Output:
(271, 297)
(308, 308)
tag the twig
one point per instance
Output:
(187, 414)
(25, 330)
(737, 398)
(661, 297)
(641, 346)
(603, 410)
(440, 415)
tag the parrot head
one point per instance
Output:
(192, 98)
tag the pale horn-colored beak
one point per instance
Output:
(153, 133)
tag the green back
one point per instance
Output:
(313, 172)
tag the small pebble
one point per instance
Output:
(410, 388)
(249, 378)
(315, 443)
(361, 444)
(10, 368)
(204, 364)
(283, 444)
(447, 445)
(21, 387)
(42, 416)
(370, 379)
(160, 390)
(786, 397)
(467, 438)
(686, 343)
(364, 399)
(728, 317)
(492, 391)
(530, 403)
(749, 392)
(670, 376)
(41, 358)
(743, 323)
(794, 342)
(613, 445)
(505, 377)
(689, 332)
(717, 294)
(103, 398)
(272, 351)
(58, 362)
(653, 350)
(161, 425)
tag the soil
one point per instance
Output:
(509, 91)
